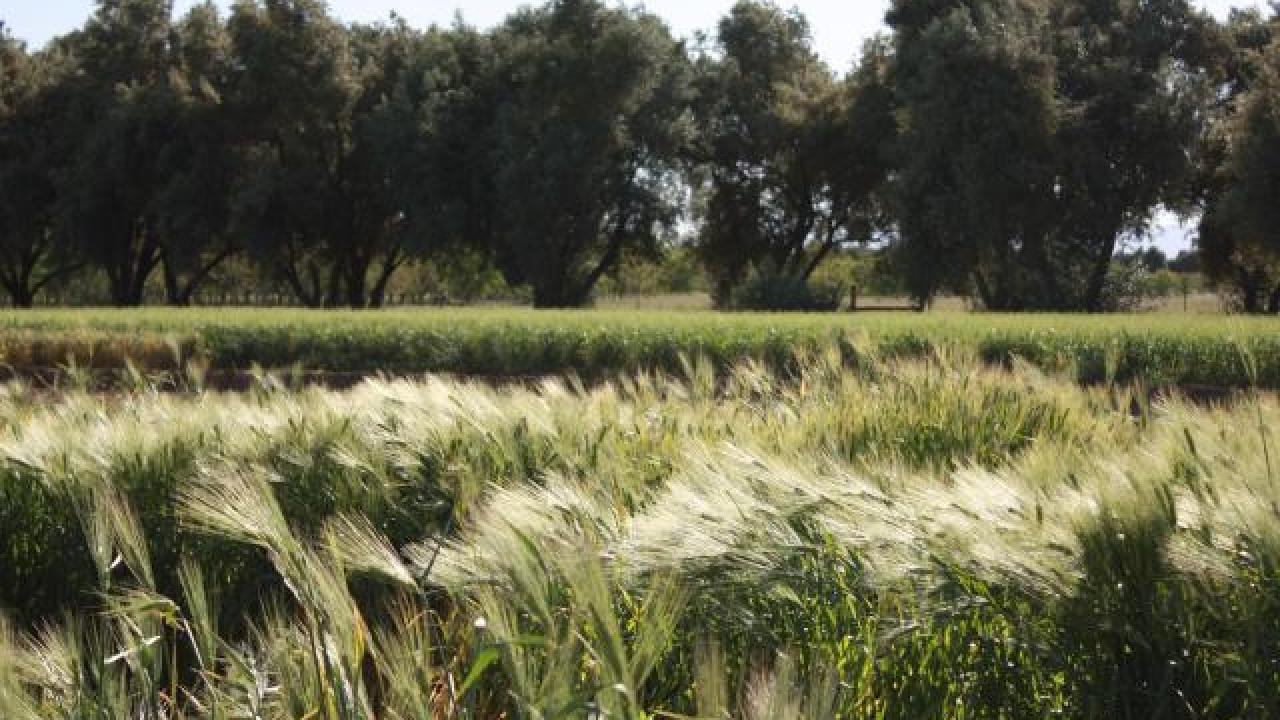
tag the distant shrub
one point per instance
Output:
(1131, 287)
(1127, 288)
(773, 291)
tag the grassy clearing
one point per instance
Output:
(1159, 348)
(860, 537)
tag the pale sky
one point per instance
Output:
(839, 27)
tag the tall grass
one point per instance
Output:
(853, 536)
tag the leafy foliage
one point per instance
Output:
(1237, 240)
(792, 157)
(1022, 186)
(588, 122)
(771, 291)
(1005, 150)
(32, 246)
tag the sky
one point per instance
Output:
(839, 28)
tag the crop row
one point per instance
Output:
(1163, 350)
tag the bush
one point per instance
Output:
(1128, 287)
(785, 293)
(870, 270)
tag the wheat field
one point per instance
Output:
(856, 536)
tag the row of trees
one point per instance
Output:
(1239, 191)
(1004, 149)
(1088, 119)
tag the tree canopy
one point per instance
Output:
(792, 155)
(1038, 136)
(1006, 150)
(1239, 239)
(588, 119)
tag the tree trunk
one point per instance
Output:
(333, 293)
(1250, 291)
(21, 295)
(378, 295)
(993, 295)
(546, 296)
(172, 287)
(355, 281)
(827, 246)
(1097, 283)
(21, 282)
(179, 293)
(1273, 300)
(127, 287)
(17, 282)
(300, 272)
(1052, 296)
(293, 279)
(127, 276)
(563, 291)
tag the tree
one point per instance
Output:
(294, 94)
(1239, 238)
(151, 166)
(416, 121)
(431, 129)
(975, 176)
(375, 242)
(31, 254)
(1131, 92)
(123, 97)
(1038, 136)
(1235, 249)
(581, 155)
(199, 159)
(791, 157)
(336, 119)
(1153, 259)
(13, 68)
(1187, 262)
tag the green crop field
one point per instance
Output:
(857, 536)
(1162, 349)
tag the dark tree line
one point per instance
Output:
(1003, 149)
(1240, 193)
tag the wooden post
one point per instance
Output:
(853, 298)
